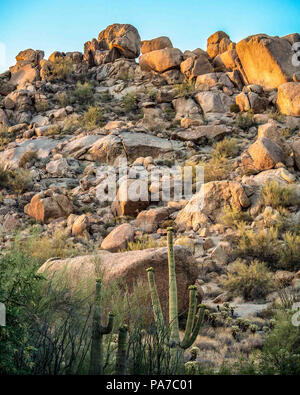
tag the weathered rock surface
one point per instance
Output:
(130, 267)
(288, 99)
(218, 43)
(266, 60)
(48, 205)
(161, 60)
(150, 220)
(155, 44)
(265, 154)
(118, 238)
(209, 202)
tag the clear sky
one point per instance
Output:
(65, 25)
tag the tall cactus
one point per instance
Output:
(121, 353)
(98, 330)
(195, 318)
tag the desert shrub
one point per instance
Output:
(43, 247)
(27, 157)
(83, 93)
(277, 116)
(60, 68)
(186, 88)
(289, 253)
(141, 243)
(104, 97)
(169, 114)
(62, 99)
(92, 118)
(216, 169)
(245, 120)
(42, 106)
(129, 102)
(225, 148)
(18, 180)
(232, 216)
(5, 137)
(234, 108)
(54, 130)
(250, 281)
(275, 195)
(152, 93)
(281, 351)
(71, 124)
(286, 132)
(262, 244)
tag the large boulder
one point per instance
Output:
(209, 203)
(266, 60)
(265, 154)
(288, 99)
(129, 268)
(214, 101)
(202, 134)
(26, 68)
(116, 41)
(155, 44)
(110, 148)
(194, 66)
(49, 205)
(161, 60)
(118, 238)
(149, 220)
(218, 43)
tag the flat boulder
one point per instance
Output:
(203, 133)
(206, 205)
(266, 60)
(42, 146)
(161, 60)
(288, 99)
(118, 238)
(155, 44)
(214, 101)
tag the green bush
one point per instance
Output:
(186, 88)
(250, 281)
(83, 93)
(275, 195)
(60, 68)
(129, 102)
(92, 118)
(18, 180)
(226, 148)
(245, 120)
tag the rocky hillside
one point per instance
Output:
(234, 109)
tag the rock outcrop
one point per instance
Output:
(266, 60)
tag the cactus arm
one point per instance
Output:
(96, 358)
(199, 322)
(173, 302)
(121, 353)
(105, 330)
(157, 311)
(191, 314)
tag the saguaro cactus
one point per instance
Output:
(98, 330)
(195, 314)
(121, 353)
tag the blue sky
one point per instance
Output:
(65, 25)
